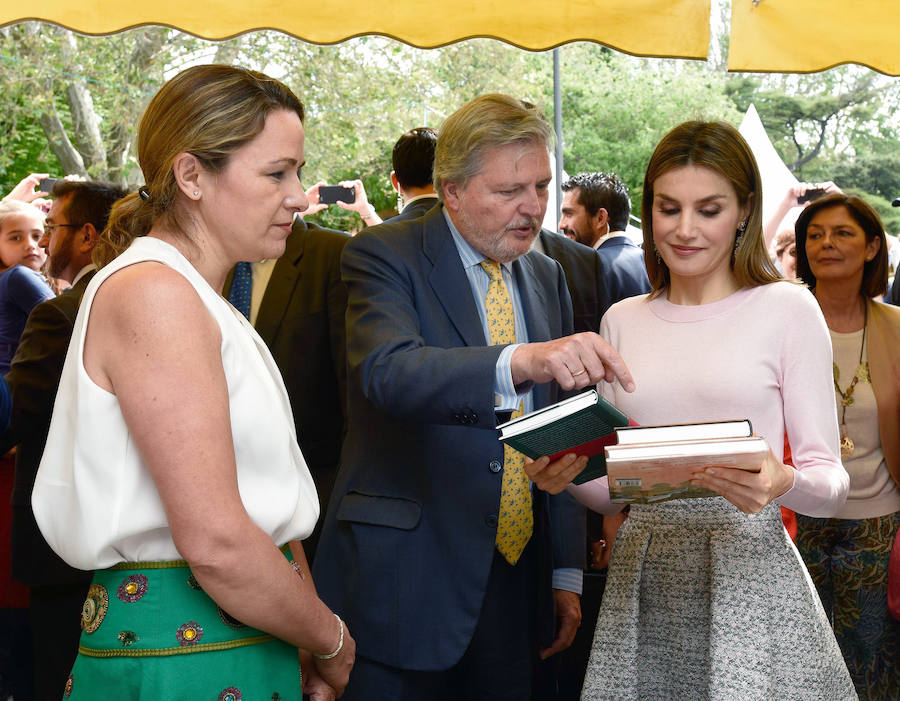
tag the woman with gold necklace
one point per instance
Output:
(842, 256)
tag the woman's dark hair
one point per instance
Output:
(875, 271)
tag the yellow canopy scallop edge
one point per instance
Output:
(812, 35)
(676, 28)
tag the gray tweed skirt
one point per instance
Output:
(705, 602)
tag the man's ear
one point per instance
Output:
(394, 182)
(452, 195)
(188, 171)
(601, 222)
(89, 238)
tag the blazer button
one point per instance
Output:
(495, 466)
(473, 418)
(491, 520)
(458, 418)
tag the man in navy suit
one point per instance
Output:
(595, 213)
(409, 551)
(413, 161)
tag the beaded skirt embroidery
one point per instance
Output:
(149, 631)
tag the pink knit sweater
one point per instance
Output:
(762, 354)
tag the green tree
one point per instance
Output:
(615, 108)
(361, 95)
(85, 94)
(71, 104)
(836, 125)
(805, 116)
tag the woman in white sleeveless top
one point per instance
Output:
(171, 466)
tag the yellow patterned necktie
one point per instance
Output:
(516, 522)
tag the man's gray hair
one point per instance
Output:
(486, 122)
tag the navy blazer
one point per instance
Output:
(408, 539)
(625, 273)
(585, 276)
(301, 319)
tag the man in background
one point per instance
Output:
(595, 211)
(77, 215)
(413, 161)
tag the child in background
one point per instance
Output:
(21, 284)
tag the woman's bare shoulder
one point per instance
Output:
(148, 306)
(147, 289)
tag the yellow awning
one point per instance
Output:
(676, 28)
(812, 35)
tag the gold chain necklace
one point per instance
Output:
(862, 373)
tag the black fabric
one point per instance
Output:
(55, 620)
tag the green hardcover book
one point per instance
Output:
(584, 424)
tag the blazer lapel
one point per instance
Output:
(285, 276)
(80, 286)
(448, 278)
(534, 301)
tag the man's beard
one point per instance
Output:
(495, 245)
(60, 260)
(584, 238)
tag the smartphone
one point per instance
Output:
(329, 194)
(813, 193)
(46, 184)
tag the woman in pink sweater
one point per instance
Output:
(707, 598)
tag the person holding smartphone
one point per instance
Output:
(347, 194)
(799, 195)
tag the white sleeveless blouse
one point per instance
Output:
(94, 499)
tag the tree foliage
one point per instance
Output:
(71, 104)
(615, 108)
(837, 125)
(363, 94)
(84, 93)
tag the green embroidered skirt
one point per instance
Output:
(149, 632)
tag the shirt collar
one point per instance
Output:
(427, 195)
(606, 237)
(84, 271)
